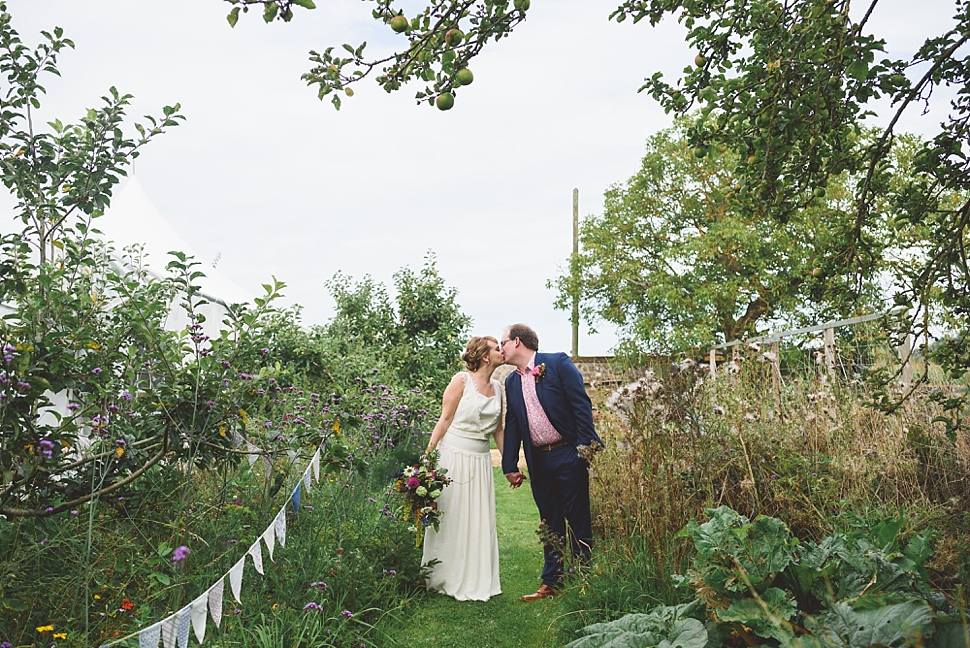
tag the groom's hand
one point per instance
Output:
(515, 479)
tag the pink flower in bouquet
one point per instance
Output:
(413, 482)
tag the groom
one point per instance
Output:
(549, 414)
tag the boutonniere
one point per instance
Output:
(539, 371)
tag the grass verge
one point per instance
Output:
(503, 621)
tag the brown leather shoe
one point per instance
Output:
(544, 592)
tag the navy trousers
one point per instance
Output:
(560, 486)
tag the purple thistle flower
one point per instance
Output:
(126, 396)
(180, 554)
(9, 348)
(73, 407)
(318, 584)
(96, 371)
(23, 385)
(120, 442)
(8, 358)
(312, 606)
(113, 408)
(348, 614)
(265, 351)
(74, 512)
(237, 611)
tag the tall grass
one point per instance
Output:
(804, 449)
(346, 553)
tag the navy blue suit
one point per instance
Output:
(559, 477)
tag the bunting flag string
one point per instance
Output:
(280, 524)
(197, 612)
(269, 537)
(296, 497)
(256, 551)
(235, 578)
(184, 622)
(150, 636)
(215, 601)
(169, 628)
(173, 631)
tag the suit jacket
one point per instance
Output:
(564, 399)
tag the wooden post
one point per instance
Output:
(575, 315)
(905, 354)
(713, 360)
(830, 352)
(776, 374)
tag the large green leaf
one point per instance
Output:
(735, 555)
(642, 631)
(950, 635)
(662, 626)
(767, 616)
(892, 625)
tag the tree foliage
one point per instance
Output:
(440, 41)
(675, 262)
(786, 87)
(418, 342)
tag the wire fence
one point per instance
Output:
(843, 350)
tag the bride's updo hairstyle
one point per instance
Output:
(476, 351)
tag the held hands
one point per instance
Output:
(515, 479)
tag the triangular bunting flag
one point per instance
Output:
(280, 524)
(315, 464)
(185, 619)
(215, 601)
(256, 551)
(253, 453)
(296, 497)
(199, 616)
(169, 628)
(237, 439)
(235, 577)
(148, 638)
(306, 480)
(269, 537)
(292, 455)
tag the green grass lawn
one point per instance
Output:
(503, 621)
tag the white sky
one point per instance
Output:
(278, 183)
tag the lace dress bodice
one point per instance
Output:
(477, 415)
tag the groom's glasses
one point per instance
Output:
(502, 344)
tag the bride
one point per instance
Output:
(466, 543)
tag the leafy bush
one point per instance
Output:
(754, 580)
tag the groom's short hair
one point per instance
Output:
(526, 336)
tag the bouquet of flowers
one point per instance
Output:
(421, 486)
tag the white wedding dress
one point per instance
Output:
(466, 543)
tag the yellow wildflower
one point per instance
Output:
(336, 427)
(46, 628)
(60, 635)
(244, 416)
(97, 596)
(119, 452)
(222, 430)
(94, 345)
